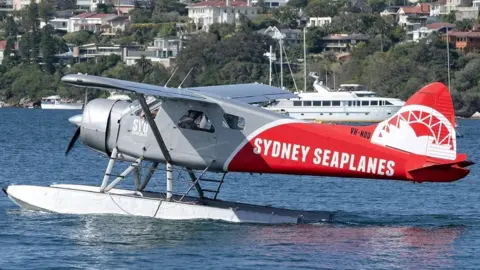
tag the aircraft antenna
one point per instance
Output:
(180, 86)
(171, 76)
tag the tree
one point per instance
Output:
(286, 16)
(77, 38)
(11, 29)
(144, 64)
(65, 4)
(45, 10)
(47, 48)
(297, 3)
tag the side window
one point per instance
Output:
(233, 121)
(297, 103)
(196, 120)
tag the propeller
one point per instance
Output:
(73, 140)
(76, 120)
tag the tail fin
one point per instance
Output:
(425, 125)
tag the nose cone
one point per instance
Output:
(76, 120)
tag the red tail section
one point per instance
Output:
(426, 126)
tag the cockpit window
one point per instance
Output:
(233, 121)
(196, 120)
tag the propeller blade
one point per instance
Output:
(73, 140)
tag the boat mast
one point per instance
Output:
(281, 62)
(448, 61)
(270, 76)
(304, 62)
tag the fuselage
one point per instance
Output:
(238, 137)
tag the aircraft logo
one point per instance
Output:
(417, 126)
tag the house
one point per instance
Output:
(271, 3)
(93, 50)
(289, 36)
(438, 8)
(413, 17)
(6, 6)
(466, 13)
(19, 4)
(465, 42)
(342, 42)
(391, 12)
(453, 5)
(57, 24)
(163, 51)
(109, 24)
(425, 31)
(206, 13)
(3, 44)
(318, 21)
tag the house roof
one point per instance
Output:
(420, 8)
(438, 25)
(220, 3)
(92, 15)
(465, 34)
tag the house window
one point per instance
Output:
(233, 121)
(196, 120)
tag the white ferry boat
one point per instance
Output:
(350, 103)
(56, 103)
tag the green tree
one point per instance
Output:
(144, 64)
(286, 16)
(297, 3)
(78, 38)
(46, 10)
(11, 29)
(47, 48)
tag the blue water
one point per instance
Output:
(379, 224)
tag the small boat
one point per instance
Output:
(56, 103)
(117, 96)
(350, 103)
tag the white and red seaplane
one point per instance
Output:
(217, 129)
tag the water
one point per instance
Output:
(379, 224)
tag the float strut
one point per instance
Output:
(169, 181)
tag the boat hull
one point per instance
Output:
(69, 106)
(80, 199)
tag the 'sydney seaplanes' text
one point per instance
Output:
(323, 157)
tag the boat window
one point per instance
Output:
(388, 102)
(317, 103)
(196, 120)
(365, 103)
(326, 103)
(307, 103)
(233, 121)
(358, 102)
(350, 103)
(297, 103)
(336, 103)
(374, 103)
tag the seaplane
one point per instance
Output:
(220, 130)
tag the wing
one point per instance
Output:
(81, 80)
(247, 93)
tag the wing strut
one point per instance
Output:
(161, 143)
(154, 127)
